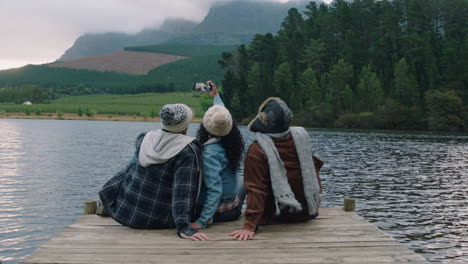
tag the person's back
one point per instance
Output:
(214, 151)
(223, 146)
(145, 199)
(160, 186)
(280, 175)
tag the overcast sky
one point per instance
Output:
(39, 31)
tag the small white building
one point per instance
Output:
(27, 103)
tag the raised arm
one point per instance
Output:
(214, 93)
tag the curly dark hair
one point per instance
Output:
(233, 144)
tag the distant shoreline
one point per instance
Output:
(134, 118)
(98, 117)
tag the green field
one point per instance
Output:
(137, 104)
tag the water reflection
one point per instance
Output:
(11, 185)
(414, 186)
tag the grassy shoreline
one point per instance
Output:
(134, 118)
(98, 117)
(142, 105)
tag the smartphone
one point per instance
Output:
(201, 87)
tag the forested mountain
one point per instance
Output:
(246, 17)
(393, 64)
(367, 63)
(229, 23)
(237, 22)
(98, 44)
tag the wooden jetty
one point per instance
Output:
(336, 236)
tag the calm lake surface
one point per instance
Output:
(413, 186)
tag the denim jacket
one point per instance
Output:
(219, 182)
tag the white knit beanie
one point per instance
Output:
(218, 121)
(176, 117)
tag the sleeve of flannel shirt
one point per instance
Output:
(184, 191)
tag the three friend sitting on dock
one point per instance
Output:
(281, 177)
(160, 186)
(222, 194)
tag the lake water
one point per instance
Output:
(413, 186)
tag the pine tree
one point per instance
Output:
(348, 99)
(315, 55)
(405, 86)
(339, 76)
(311, 91)
(292, 42)
(283, 84)
(369, 91)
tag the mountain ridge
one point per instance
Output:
(225, 24)
(89, 45)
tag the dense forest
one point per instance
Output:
(397, 64)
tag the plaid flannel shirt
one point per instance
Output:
(159, 196)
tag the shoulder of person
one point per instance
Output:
(213, 146)
(255, 151)
(254, 147)
(299, 129)
(194, 146)
(191, 151)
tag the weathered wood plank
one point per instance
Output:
(334, 237)
(259, 258)
(215, 251)
(253, 244)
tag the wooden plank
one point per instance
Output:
(253, 244)
(245, 250)
(334, 237)
(271, 258)
(223, 231)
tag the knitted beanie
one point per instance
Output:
(274, 116)
(175, 117)
(218, 121)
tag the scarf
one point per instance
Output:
(284, 197)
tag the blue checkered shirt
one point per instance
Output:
(159, 196)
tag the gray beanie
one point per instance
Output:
(175, 117)
(274, 116)
(218, 121)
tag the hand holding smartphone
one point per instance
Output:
(209, 88)
(201, 87)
